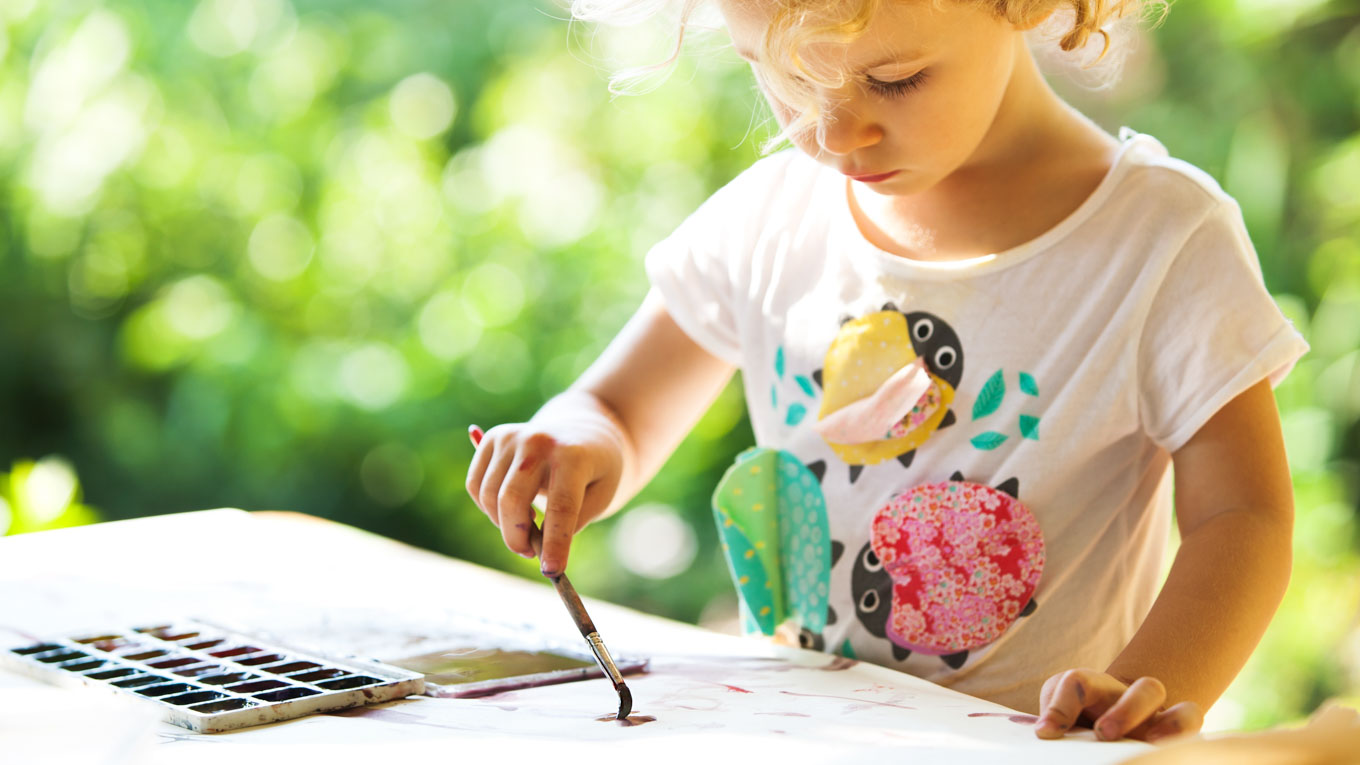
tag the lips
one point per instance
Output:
(875, 178)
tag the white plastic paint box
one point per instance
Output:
(211, 679)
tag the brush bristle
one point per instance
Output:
(625, 702)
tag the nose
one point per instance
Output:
(846, 126)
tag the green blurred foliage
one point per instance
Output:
(274, 254)
(42, 495)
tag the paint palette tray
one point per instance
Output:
(211, 679)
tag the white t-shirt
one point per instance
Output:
(1061, 373)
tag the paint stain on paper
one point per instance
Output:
(1017, 719)
(850, 699)
(734, 689)
(628, 721)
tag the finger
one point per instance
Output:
(1140, 702)
(1185, 717)
(566, 490)
(596, 501)
(1075, 691)
(481, 459)
(488, 493)
(1046, 693)
(514, 503)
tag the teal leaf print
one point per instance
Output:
(847, 650)
(806, 385)
(1029, 427)
(1028, 385)
(988, 440)
(774, 396)
(779, 362)
(796, 414)
(989, 400)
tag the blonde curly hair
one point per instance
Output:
(799, 23)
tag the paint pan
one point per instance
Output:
(210, 679)
(466, 672)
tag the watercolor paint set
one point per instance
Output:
(210, 679)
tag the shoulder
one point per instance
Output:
(1163, 185)
(776, 192)
(785, 175)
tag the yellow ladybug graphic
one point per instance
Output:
(905, 366)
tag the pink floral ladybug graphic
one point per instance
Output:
(964, 560)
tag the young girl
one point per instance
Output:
(976, 334)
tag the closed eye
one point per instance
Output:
(898, 87)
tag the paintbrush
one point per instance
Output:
(576, 608)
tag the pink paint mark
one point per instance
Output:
(475, 433)
(848, 698)
(1017, 719)
(734, 688)
(528, 464)
(784, 714)
(394, 716)
(21, 633)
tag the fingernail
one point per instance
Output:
(549, 568)
(1107, 731)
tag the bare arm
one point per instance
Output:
(1235, 512)
(597, 444)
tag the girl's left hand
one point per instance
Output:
(1112, 707)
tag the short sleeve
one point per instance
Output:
(1212, 331)
(703, 270)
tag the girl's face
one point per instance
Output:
(925, 86)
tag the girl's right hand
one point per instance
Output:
(577, 464)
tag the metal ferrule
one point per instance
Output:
(602, 656)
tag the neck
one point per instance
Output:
(1027, 118)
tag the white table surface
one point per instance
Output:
(340, 590)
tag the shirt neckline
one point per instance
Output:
(867, 252)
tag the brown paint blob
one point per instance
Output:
(1017, 719)
(628, 721)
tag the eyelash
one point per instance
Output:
(898, 88)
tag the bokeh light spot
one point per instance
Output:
(447, 329)
(198, 307)
(654, 541)
(500, 364)
(280, 247)
(421, 106)
(373, 376)
(227, 27)
(391, 474)
(494, 293)
(47, 490)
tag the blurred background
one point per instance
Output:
(278, 254)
